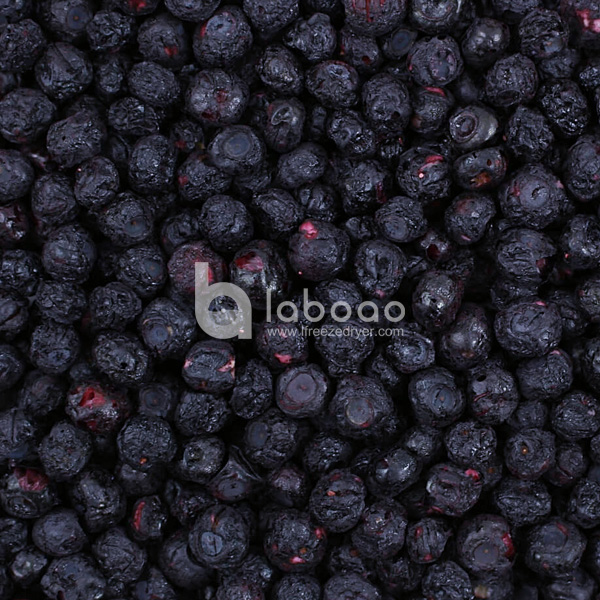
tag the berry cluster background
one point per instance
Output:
(444, 154)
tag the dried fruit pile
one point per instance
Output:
(443, 155)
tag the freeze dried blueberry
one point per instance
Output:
(121, 560)
(447, 580)
(565, 107)
(318, 250)
(24, 115)
(271, 438)
(583, 504)
(28, 566)
(166, 328)
(431, 107)
(153, 84)
(435, 61)
(210, 367)
(16, 175)
(524, 255)
(344, 345)
(484, 546)
(200, 413)
(113, 306)
(481, 169)
(237, 150)
(65, 451)
(122, 358)
(576, 416)
(580, 242)
(381, 530)
(76, 138)
(148, 519)
(433, 16)
(386, 103)
(426, 540)
(163, 39)
(130, 117)
(522, 502)
(202, 458)
(351, 135)
(108, 30)
(484, 42)
(152, 164)
(338, 500)
(14, 313)
(269, 17)
(302, 391)
(532, 197)
(512, 80)
(452, 490)
(215, 96)
(280, 70)
(58, 533)
(436, 300)
(303, 165)
(21, 44)
(424, 174)
(547, 377)
(285, 124)
(379, 267)
(554, 548)
(27, 493)
(293, 543)
(528, 134)
(334, 83)
(401, 219)
(529, 453)
(59, 579)
(220, 537)
(360, 50)
(96, 182)
(253, 390)
(226, 223)
(54, 347)
(528, 328)
(410, 349)
(98, 498)
(361, 407)
(15, 224)
(299, 586)
(143, 269)
(100, 408)
(198, 179)
(363, 186)
(223, 39)
(145, 442)
(435, 397)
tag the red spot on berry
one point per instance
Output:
(473, 474)
(508, 543)
(250, 262)
(171, 51)
(31, 480)
(309, 230)
(137, 515)
(92, 398)
(285, 359)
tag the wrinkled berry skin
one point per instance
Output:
(512, 80)
(375, 19)
(554, 548)
(293, 543)
(220, 537)
(318, 250)
(337, 501)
